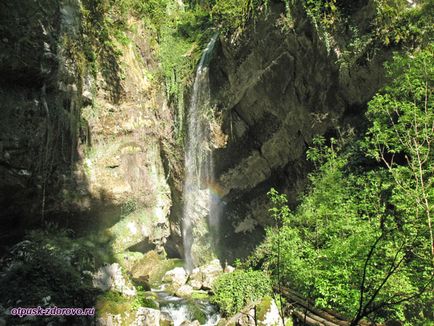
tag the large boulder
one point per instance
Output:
(204, 276)
(229, 269)
(177, 277)
(110, 277)
(190, 323)
(147, 269)
(210, 273)
(185, 291)
(267, 313)
(196, 279)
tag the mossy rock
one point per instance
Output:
(132, 230)
(112, 303)
(147, 302)
(143, 281)
(263, 307)
(154, 266)
(128, 259)
(267, 312)
(200, 295)
(166, 323)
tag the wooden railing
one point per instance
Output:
(306, 314)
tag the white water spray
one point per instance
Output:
(199, 172)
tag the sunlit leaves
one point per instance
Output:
(235, 290)
(401, 137)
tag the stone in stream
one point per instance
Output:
(185, 291)
(190, 323)
(147, 317)
(177, 277)
(166, 319)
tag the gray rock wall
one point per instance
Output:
(276, 89)
(40, 100)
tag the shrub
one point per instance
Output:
(235, 290)
(48, 268)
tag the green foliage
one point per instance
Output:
(154, 11)
(49, 264)
(401, 134)
(232, 15)
(396, 23)
(402, 113)
(143, 299)
(360, 241)
(323, 245)
(322, 12)
(232, 291)
(112, 302)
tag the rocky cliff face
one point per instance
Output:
(124, 166)
(275, 88)
(79, 148)
(40, 100)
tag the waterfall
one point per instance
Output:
(199, 174)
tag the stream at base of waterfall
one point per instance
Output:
(180, 310)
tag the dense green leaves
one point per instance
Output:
(235, 290)
(232, 15)
(401, 137)
(398, 23)
(360, 241)
(49, 265)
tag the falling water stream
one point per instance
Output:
(199, 203)
(199, 174)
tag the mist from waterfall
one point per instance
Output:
(199, 172)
